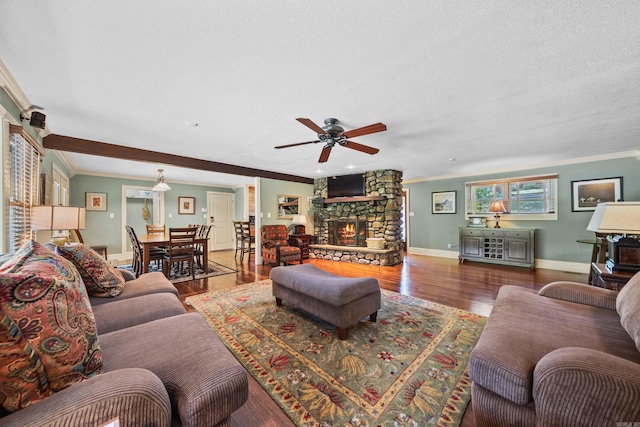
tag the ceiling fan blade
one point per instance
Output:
(360, 147)
(376, 127)
(314, 127)
(324, 156)
(297, 143)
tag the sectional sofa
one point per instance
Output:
(81, 350)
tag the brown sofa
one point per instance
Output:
(568, 356)
(162, 367)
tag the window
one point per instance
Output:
(525, 198)
(24, 160)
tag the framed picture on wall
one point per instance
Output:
(586, 194)
(186, 205)
(95, 201)
(443, 202)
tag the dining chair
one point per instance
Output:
(237, 226)
(202, 233)
(75, 236)
(180, 250)
(155, 229)
(248, 241)
(137, 257)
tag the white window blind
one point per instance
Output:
(523, 197)
(24, 159)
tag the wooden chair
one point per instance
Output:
(155, 229)
(248, 241)
(202, 233)
(136, 247)
(277, 247)
(180, 250)
(237, 226)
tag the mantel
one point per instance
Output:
(370, 199)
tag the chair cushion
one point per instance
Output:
(628, 307)
(99, 277)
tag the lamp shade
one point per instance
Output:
(616, 218)
(57, 218)
(299, 219)
(497, 206)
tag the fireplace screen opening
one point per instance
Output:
(348, 233)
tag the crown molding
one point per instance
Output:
(577, 160)
(12, 88)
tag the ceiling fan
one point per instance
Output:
(332, 134)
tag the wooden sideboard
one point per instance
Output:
(506, 246)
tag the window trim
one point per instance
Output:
(551, 216)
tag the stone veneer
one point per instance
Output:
(383, 220)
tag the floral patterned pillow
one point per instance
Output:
(100, 278)
(23, 380)
(43, 294)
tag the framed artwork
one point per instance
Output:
(186, 205)
(586, 194)
(443, 202)
(95, 201)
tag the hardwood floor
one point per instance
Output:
(469, 286)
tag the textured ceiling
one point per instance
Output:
(491, 84)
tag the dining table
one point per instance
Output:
(149, 240)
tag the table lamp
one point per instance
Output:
(299, 221)
(58, 219)
(497, 207)
(619, 219)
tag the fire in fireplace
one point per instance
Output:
(348, 233)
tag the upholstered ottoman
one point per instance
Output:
(341, 301)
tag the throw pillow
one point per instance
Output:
(23, 380)
(628, 307)
(100, 278)
(55, 316)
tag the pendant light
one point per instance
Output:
(161, 185)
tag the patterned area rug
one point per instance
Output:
(215, 269)
(408, 369)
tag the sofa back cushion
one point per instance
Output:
(43, 294)
(99, 277)
(628, 307)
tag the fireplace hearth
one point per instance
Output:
(348, 233)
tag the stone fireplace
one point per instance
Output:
(348, 232)
(376, 215)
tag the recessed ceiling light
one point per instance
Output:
(350, 167)
(192, 124)
(319, 171)
(451, 159)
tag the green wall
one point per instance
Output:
(101, 229)
(555, 240)
(269, 190)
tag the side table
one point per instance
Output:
(603, 277)
(305, 239)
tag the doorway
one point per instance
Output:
(134, 200)
(220, 207)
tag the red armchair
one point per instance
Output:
(278, 247)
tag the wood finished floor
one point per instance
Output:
(469, 286)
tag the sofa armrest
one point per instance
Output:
(581, 293)
(135, 396)
(127, 274)
(584, 387)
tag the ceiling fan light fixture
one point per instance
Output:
(160, 184)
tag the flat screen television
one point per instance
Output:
(345, 186)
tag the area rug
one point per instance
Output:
(215, 269)
(407, 369)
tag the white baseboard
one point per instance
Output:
(571, 267)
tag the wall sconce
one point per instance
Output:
(497, 207)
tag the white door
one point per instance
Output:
(220, 208)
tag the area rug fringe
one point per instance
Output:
(408, 369)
